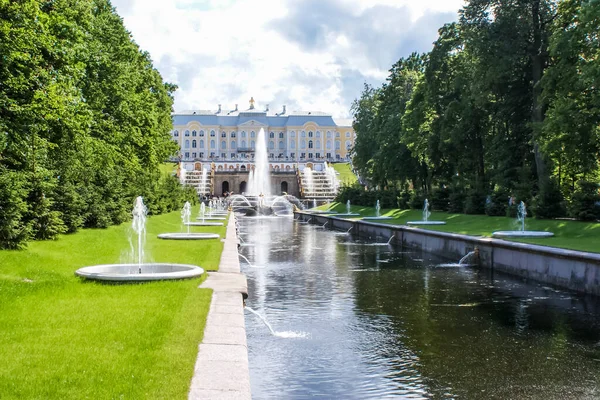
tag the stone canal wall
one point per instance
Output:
(575, 270)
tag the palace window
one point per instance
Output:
(213, 145)
(328, 155)
(243, 143)
(281, 145)
(232, 134)
(271, 155)
(233, 155)
(193, 155)
(328, 134)
(280, 135)
(348, 144)
(194, 133)
(302, 155)
(187, 133)
(337, 157)
(347, 134)
(212, 133)
(303, 144)
(243, 134)
(310, 155)
(232, 144)
(310, 144)
(252, 144)
(293, 155)
(194, 144)
(223, 156)
(271, 135)
(271, 144)
(292, 134)
(310, 134)
(212, 155)
(318, 134)
(337, 134)
(187, 155)
(252, 134)
(318, 144)
(223, 144)
(201, 143)
(303, 134)
(201, 155)
(338, 144)
(187, 144)
(201, 133)
(329, 145)
(318, 155)
(223, 134)
(292, 145)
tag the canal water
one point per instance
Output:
(355, 320)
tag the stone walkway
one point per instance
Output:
(221, 370)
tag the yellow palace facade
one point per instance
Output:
(231, 135)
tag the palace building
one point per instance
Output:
(230, 135)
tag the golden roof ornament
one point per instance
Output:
(252, 103)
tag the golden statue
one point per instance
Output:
(252, 103)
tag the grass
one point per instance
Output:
(346, 176)
(66, 338)
(575, 235)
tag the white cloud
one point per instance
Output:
(224, 51)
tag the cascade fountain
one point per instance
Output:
(426, 215)
(186, 213)
(202, 217)
(377, 216)
(204, 181)
(139, 271)
(522, 233)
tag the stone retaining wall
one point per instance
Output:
(575, 270)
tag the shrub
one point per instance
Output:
(475, 202)
(549, 203)
(440, 199)
(456, 201)
(498, 203)
(585, 203)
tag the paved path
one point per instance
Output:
(221, 370)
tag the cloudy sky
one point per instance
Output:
(307, 54)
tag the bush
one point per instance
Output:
(440, 199)
(417, 201)
(549, 203)
(404, 200)
(456, 201)
(475, 202)
(496, 204)
(585, 203)
(13, 231)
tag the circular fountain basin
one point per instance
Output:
(377, 218)
(347, 215)
(188, 236)
(321, 212)
(212, 218)
(521, 234)
(426, 223)
(129, 272)
(204, 224)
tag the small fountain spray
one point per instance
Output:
(186, 212)
(202, 210)
(348, 207)
(390, 239)
(426, 212)
(348, 231)
(521, 214)
(377, 208)
(139, 226)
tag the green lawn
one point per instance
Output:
(346, 176)
(66, 338)
(576, 235)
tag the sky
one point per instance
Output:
(306, 54)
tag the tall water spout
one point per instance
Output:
(204, 181)
(377, 208)
(426, 212)
(202, 210)
(348, 207)
(186, 212)
(521, 214)
(182, 173)
(139, 226)
(261, 182)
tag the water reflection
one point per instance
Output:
(385, 322)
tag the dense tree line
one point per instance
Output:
(84, 121)
(507, 104)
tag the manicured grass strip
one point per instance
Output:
(575, 235)
(346, 176)
(66, 338)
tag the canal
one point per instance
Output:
(355, 319)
